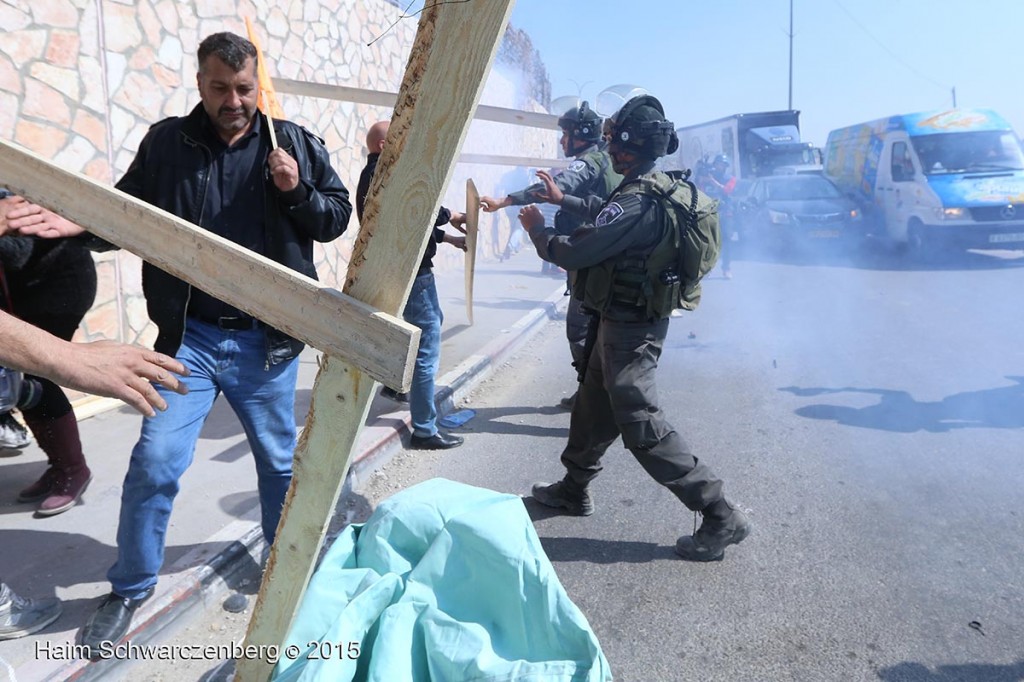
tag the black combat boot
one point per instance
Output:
(723, 525)
(567, 495)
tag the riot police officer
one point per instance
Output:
(590, 173)
(617, 397)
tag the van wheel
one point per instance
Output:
(919, 247)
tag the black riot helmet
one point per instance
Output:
(581, 123)
(640, 127)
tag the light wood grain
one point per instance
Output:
(472, 230)
(454, 48)
(381, 344)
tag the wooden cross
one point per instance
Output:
(360, 331)
(450, 58)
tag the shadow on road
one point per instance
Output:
(504, 420)
(976, 672)
(1001, 408)
(596, 551)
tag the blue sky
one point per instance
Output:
(853, 60)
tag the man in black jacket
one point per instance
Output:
(216, 167)
(422, 309)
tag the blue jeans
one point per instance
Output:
(263, 399)
(424, 310)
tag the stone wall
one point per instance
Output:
(82, 80)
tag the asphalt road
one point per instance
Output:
(869, 413)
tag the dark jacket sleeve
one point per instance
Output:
(363, 188)
(573, 180)
(324, 213)
(623, 224)
(585, 207)
(443, 216)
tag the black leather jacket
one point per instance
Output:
(171, 171)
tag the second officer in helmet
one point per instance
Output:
(617, 280)
(589, 174)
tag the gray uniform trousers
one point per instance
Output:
(618, 396)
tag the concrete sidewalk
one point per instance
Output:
(214, 543)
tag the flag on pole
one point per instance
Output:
(266, 100)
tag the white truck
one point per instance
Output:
(756, 144)
(932, 180)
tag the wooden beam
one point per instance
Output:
(344, 93)
(499, 160)
(380, 344)
(454, 48)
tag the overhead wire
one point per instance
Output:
(898, 58)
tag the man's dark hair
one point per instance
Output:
(230, 48)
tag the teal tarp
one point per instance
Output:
(444, 582)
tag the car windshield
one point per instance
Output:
(799, 188)
(989, 150)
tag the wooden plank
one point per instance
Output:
(344, 93)
(454, 48)
(472, 229)
(382, 345)
(501, 160)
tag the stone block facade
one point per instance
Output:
(82, 80)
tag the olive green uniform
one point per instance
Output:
(618, 395)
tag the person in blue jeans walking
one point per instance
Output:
(422, 309)
(216, 168)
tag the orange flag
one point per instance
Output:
(266, 101)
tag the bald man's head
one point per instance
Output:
(375, 137)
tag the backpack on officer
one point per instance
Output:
(694, 234)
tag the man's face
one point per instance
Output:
(566, 142)
(622, 160)
(229, 98)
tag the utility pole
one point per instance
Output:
(791, 56)
(954, 97)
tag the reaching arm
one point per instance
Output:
(620, 225)
(103, 368)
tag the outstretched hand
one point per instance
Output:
(552, 193)
(490, 204)
(117, 370)
(30, 219)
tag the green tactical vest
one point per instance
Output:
(654, 284)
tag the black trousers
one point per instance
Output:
(55, 299)
(576, 324)
(618, 397)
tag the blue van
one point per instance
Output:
(934, 179)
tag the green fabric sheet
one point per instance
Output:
(445, 582)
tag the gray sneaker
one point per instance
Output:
(20, 617)
(562, 495)
(13, 436)
(713, 536)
